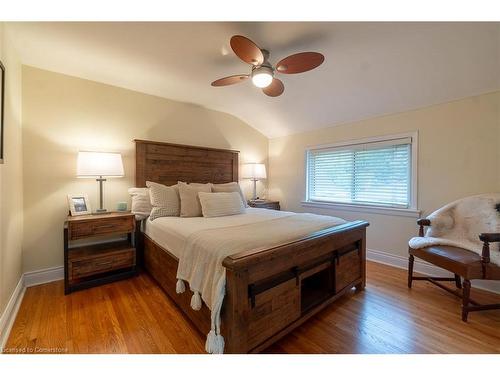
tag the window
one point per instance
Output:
(379, 172)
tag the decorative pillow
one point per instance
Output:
(229, 188)
(164, 199)
(141, 205)
(221, 204)
(190, 203)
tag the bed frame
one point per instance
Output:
(268, 292)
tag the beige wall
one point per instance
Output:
(63, 114)
(11, 185)
(459, 155)
(458, 152)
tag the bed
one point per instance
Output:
(269, 290)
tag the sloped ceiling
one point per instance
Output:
(371, 69)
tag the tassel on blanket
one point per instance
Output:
(196, 301)
(215, 343)
(180, 287)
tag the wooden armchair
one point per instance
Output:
(462, 263)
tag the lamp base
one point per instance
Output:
(101, 209)
(254, 196)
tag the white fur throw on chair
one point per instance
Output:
(461, 222)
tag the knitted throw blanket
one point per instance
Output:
(461, 222)
(200, 263)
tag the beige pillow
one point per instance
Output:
(221, 204)
(141, 202)
(229, 188)
(190, 203)
(164, 199)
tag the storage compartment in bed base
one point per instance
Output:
(316, 285)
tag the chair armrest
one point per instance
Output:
(487, 238)
(490, 237)
(422, 223)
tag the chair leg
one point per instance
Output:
(458, 281)
(465, 300)
(411, 259)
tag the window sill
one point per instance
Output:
(407, 212)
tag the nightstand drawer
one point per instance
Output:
(100, 264)
(82, 229)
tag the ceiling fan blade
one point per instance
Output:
(276, 88)
(247, 50)
(231, 80)
(300, 62)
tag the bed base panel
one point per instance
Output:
(162, 266)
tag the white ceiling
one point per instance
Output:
(370, 69)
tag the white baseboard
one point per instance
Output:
(425, 268)
(46, 275)
(9, 315)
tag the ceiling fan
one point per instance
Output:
(263, 71)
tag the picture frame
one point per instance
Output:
(79, 204)
(2, 110)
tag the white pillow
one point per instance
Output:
(141, 205)
(190, 203)
(221, 204)
(229, 188)
(164, 199)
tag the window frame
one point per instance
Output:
(411, 210)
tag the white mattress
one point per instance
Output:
(171, 233)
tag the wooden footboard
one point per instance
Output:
(272, 291)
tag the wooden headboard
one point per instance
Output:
(167, 163)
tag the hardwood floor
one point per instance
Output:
(135, 316)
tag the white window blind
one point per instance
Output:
(375, 173)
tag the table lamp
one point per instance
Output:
(99, 165)
(254, 172)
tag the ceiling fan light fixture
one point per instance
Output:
(262, 76)
(262, 73)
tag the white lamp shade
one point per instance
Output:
(255, 171)
(94, 164)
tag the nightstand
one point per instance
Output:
(264, 203)
(88, 265)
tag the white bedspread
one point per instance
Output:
(200, 262)
(171, 233)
